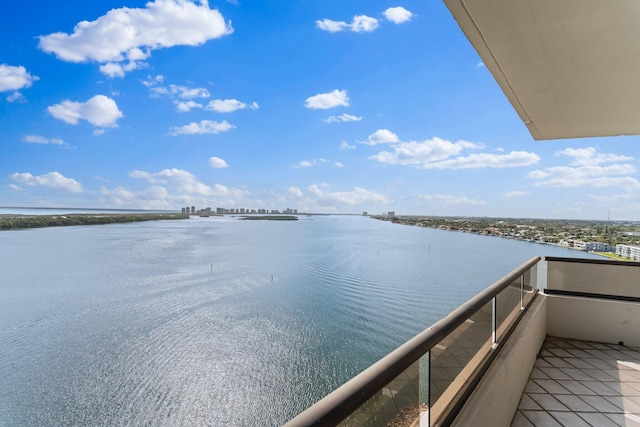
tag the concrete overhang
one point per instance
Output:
(570, 68)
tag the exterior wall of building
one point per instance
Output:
(627, 251)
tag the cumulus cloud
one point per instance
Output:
(398, 15)
(437, 153)
(295, 191)
(186, 106)
(421, 153)
(182, 181)
(586, 169)
(453, 200)
(53, 180)
(230, 105)
(123, 38)
(588, 176)
(14, 78)
(217, 162)
(324, 101)
(356, 196)
(38, 139)
(308, 163)
(359, 23)
(100, 111)
(201, 128)
(381, 136)
(590, 156)
(345, 146)
(342, 118)
(154, 197)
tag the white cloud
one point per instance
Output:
(357, 196)
(398, 15)
(589, 176)
(342, 118)
(339, 165)
(308, 163)
(217, 162)
(153, 81)
(331, 26)
(53, 180)
(179, 91)
(324, 101)
(360, 23)
(590, 156)
(437, 153)
(154, 197)
(421, 153)
(13, 78)
(99, 111)
(345, 146)
(512, 194)
(38, 139)
(181, 96)
(201, 128)
(486, 160)
(124, 37)
(480, 65)
(586, 169)
(182, 182)
(381, 136)
(453, 200)
(98, 132)
(229, 105)
(113, 69)
(185, 107)
(363, 23)
(295, 191)
(16, 97)
(15, 187)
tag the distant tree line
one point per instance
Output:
(17, 222)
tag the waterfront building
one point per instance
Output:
(627, 251)
(569, 69)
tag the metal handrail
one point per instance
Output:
(343, 401)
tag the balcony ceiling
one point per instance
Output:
(570, 68)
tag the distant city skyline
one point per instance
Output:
(332, 107)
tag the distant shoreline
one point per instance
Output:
(22, 222)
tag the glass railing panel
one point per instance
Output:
(508, 307)
(455, 358)
(397, 404)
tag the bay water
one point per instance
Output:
(218, 321)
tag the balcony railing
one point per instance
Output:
(427, 380)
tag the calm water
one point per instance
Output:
(215, 321)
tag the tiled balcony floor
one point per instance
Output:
(579, 383)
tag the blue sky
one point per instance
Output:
(326, 106)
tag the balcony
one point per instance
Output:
(555, 342)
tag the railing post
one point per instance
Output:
(522, 292)
(429, 390)
(494, 323)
